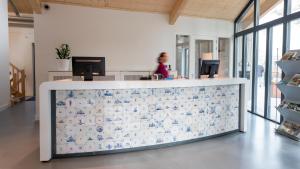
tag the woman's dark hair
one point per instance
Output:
(161, 55)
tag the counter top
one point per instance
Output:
(69, 84)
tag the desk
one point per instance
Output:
(85, 118)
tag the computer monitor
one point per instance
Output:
(88, 67)
(209, 67)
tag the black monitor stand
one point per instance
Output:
(212, 71)
(88, 67)
(88, 74)
(208, 67)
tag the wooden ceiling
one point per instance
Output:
(22, 5)
(217, 9)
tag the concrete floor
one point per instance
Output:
(259, 148)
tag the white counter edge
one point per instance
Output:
(78, 85)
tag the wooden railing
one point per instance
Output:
(17, 84)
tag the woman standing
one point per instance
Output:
(162, 68)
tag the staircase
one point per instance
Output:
(17, 84)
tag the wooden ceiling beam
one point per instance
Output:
(177, 10)
(36, 6)
(16, 10)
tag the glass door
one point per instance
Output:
(182, 55)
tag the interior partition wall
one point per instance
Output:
(264, 30)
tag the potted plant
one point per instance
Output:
(63, 57)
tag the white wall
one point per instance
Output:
(20, 53)
(4, 70)
(129, 40)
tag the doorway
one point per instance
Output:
(21, 57)
(183, 55)
(223, 55)
(203, 51)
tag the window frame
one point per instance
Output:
(285, 21)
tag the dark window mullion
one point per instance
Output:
(235, 56)
(244, 56)
(255, 58)
(244, 11)
(256, 12)
(286, 37)
(254, 72)
(287, 8)
(286, 27)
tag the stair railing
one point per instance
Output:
(17, 84)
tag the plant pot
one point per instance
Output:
(63, 64)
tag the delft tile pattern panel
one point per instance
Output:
(102, 120)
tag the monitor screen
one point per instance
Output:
(88, 67)
(209, 67)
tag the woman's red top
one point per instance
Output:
(162, 69)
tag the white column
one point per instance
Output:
(4, 56)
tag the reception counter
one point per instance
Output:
(100, 117)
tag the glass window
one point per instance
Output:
(239, 56)
(224, 56)
(182, 55)
(270, 10)
(261, 71)
(249, 53)
(295, 6)
(276, 72)
(246, 21)
(294, 39)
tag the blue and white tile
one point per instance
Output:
(100, 120)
